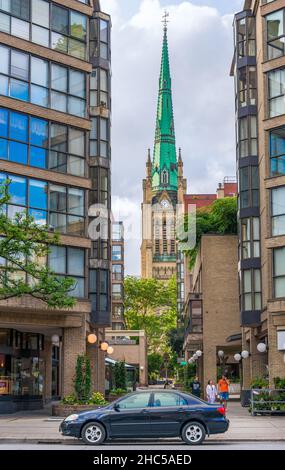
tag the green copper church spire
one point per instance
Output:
(164, 167)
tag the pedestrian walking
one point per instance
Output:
(196, 387)
(223, 389)
(211, 392)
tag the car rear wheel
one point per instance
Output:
(193, 433)
(93, 434)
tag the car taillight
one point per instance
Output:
(221, 410)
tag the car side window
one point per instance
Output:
(168, 399)
(140, 400)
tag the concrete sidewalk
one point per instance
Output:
(40, 427)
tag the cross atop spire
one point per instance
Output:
(165, 19)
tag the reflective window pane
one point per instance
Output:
(4, 23)
(59, 19)
(75, 262)
(57, 259)
(4, 62)
(39, 95)
(58, 101)
(38, 157)
(76, 142)
(59, 78)
(58, 137)
(39, 71)
(18, 126)
(20, 28)
(59, 42)
(18, 152)
(3, 122)
(40, 12)
(19, 65)
(78, 25)
(21, 8)
(76, 106)
(77, 83)
(19, 90)
(76, 48)
(38, 194)
(76, 201)
(4, 85)
(40, 35)
(57, 198)
(39, 132)
(17, 190)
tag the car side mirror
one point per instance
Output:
(117, 407)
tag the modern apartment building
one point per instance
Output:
(55, 148)
(259, 71)
(118, 257)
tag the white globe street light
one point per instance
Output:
(199, 353)
(261, 347)
(195, 356)
(245, 354)
(221, 354)
(237, 357)
(55, 339)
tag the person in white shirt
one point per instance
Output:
(211, 392)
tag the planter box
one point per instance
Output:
(66, 410)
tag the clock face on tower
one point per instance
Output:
(165, 203)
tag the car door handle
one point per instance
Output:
(144, 411)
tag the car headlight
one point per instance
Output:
(71, 418)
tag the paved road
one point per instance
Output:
(164, 445)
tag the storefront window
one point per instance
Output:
(21, 365)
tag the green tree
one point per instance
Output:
(24, 246)
(83, 379)
(150, 305)
(120, 375)
(220, 217)
(155, 362)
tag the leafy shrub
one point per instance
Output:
(97, 399)
(259, 382)
(69, 400)
(279, 383)
(118, 391)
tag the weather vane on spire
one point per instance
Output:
(165, 19)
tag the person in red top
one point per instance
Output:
(223, 389)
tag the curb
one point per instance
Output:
(9, 440)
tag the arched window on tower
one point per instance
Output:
(164, 177)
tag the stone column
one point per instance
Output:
(74, 344)
(97, 362)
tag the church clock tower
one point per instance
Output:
(164, 185)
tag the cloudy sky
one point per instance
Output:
(200, 47)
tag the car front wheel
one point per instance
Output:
(93, 434)
(193, 433)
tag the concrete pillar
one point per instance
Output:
(48, 370)
(97, 362)
(74, 344)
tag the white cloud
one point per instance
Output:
(200, 48)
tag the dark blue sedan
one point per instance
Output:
(148, 414)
